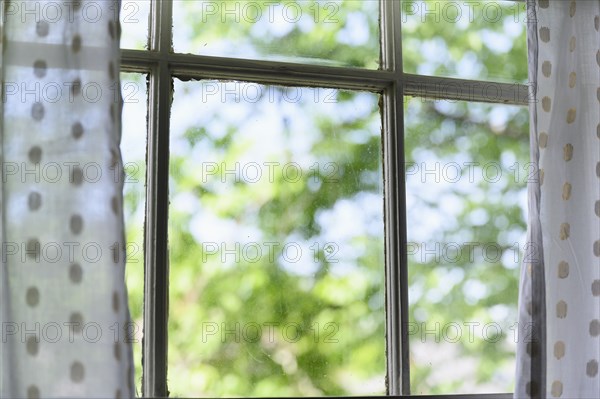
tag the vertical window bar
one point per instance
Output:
(398, 372)
(156, 274)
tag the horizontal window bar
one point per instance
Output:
(465, 90)
(190, 66)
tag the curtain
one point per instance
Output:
(63, 302)
(559, 342)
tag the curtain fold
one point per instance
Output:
(63, 301)
(559, 341)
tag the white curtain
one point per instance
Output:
(63, 302)
(559, 345)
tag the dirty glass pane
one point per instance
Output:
(134, 24)
(325, 32)
(133, 152)
(276, 242)
(484, 40)
(467, 166)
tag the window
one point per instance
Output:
(331, 199)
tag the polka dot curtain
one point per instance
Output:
(63, 302)
(559, 345)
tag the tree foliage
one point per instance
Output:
(248, 315)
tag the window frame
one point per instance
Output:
(162, 65)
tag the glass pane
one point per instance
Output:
(338, 33)
(465, 39)
(467, 168)
(133, 151)
(276, 242)
(134, 24)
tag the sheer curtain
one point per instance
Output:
(63, 302)
(559, 346)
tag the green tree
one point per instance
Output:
(243, 322)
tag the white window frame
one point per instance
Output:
(162, 65)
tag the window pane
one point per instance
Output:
(465, 39)
(467, 168)
(133, 152)
(134, 24)
(339, 33)
(276, 242)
